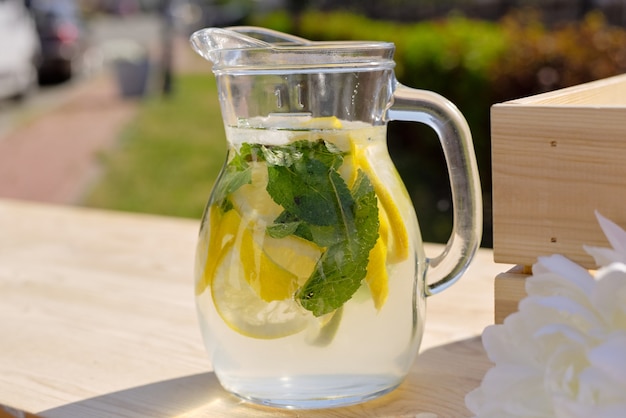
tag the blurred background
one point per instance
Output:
(74, 70)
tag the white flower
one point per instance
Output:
(563, 354)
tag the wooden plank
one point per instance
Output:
(509, 289)
(554, 164)
(607, 92)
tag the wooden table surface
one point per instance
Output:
(97, 319)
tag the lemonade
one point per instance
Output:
(307, 253)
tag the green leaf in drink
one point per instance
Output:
(318, 206)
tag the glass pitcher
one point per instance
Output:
(311, 277)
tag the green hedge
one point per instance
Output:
(474, 64)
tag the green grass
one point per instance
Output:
(170, 155)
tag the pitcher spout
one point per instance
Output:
(207, 42)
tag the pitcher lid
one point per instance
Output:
(249, 50)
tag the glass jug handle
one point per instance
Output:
(454, 134)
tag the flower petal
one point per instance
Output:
(603, 256)
(551, 284)
(609, 296)
(562, 310)
(616, 237)
(566, 334)
(509, 342)
(614, 233)
(564, 267)
(568, 408)
(610, 358)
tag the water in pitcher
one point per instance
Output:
(310, 273)
(306, 269)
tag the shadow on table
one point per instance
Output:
(435, 388)
(167, 398)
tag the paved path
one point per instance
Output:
(55, 156)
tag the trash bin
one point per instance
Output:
(132, 76)
(131, 66)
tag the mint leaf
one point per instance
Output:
(282, 230)
(365, 214)
(235, 174)
(340, 270)
(305, 189)
(337, 275)
(287, 155)
(288, 224)
(323, 236)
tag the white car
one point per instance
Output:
(20, 50)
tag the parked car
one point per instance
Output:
(19, 50)
(63, 38)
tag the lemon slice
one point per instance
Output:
(322, 122)
(222, 231)
(377, 277)
(293, 254)
(241, 308)
(382, 177)
(253, 293)
(252, 201)
(269, 280)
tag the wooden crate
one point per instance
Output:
(556, 159)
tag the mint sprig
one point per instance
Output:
(317, 206)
